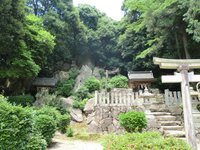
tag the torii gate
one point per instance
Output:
(184, 77)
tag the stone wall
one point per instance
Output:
(105, 119)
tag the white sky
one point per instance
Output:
(111, 7)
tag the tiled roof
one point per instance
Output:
(140, 75)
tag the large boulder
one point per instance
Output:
(96, 72)
(89, 106)
(85, 73)
(93, 127)
(61, 75)
(68, 101)
(76, 115)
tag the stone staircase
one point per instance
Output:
(169, 125)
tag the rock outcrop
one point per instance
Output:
(89, 107)
(76, 115)
(68, 102)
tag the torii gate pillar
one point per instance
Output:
(184, 77)
(187, 107)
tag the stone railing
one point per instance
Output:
(173, 98)
(116, 98)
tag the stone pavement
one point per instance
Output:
(75, 145)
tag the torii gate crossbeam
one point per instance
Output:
(183, 66)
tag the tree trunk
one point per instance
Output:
(178, 45)
(35, 7)
(185, 45)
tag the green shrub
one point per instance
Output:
(133, 121)
(105, 84)
(51, 100)
(36, 143)
(64, 121)
(92, 84)
(65, 88)
(82, 93)
(47, 120)
(102, 73)
(46, 125)
(73, 73)
(17, 127)
(24, 100)
(44, 97)
(80, 104)
(58, 104)
(119, 81)
(50, 111)
(143, 141)
(70, 132)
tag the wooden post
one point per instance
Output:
(187, 107)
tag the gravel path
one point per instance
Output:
(75, 145)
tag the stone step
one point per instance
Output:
(169, 123)
(166, 118)
(179, 128)
(174, 133)
(158, 113)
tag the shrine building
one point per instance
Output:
(140, 79)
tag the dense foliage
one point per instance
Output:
(133, 121)
(144, 141)
(40, 37)
(119, 81)
(24, 100)
(65, 88)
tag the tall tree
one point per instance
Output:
(62, 20)
(24, 44)
(16, 60)
(102, 34)
(166, 30)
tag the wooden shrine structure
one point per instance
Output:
(140, 79)
(185, 76)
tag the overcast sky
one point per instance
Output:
(111, 7)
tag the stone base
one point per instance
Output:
(105, 119)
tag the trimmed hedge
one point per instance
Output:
(24, 128)
(56, 122)
(46, 125)
(17, 128)
(24, 100)
(36, 142)
(144, 141)
(133, 121)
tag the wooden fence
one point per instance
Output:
(116, 98)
